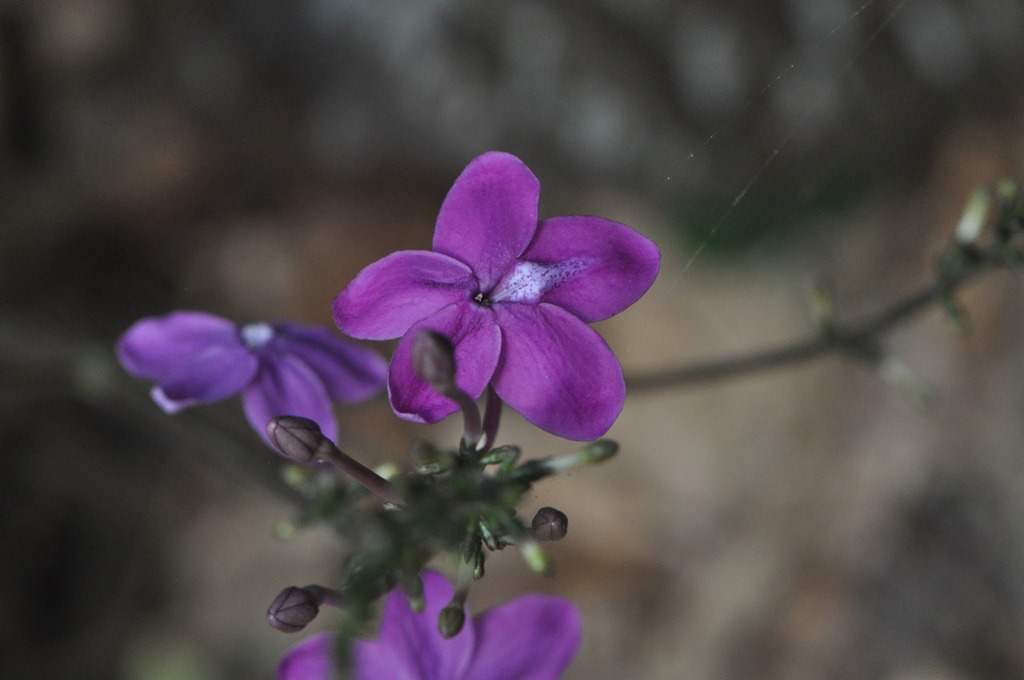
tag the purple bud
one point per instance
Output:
(433, 359)
(297, 439)
(293, 609)
(549, 524)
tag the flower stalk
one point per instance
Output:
(433, 360)
(300, 440)
(492, 418)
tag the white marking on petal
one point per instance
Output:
(529, 281)
(257, 335)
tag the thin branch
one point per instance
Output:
(857, 339)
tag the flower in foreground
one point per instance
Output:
(531, 638)
(514, 295)
(280, 369)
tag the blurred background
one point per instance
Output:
(249, 158)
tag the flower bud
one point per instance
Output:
(507, 454)
(601, 450)
(549, 524)
(429, 459)
(433, 359)
(293, 609)
(413, 587)
(973, 219)
(297, 439)
(535, 557)
(450, 620)
(594, 452)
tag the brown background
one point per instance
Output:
(248, 158)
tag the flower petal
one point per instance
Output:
(349, 372)
(311, 659)
(606, 265)
(192, 356)
(534, 637)
(557, 371)
(216, 373)
(477, 342)
(409, 646)
(154, 347)
(285, 386)
(393, 293)
(489, 216)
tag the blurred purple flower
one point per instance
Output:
(514, 296)
(280, 369)
(533, 637)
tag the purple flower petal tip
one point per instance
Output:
(311, 659)
(282, 369)
(514, 295)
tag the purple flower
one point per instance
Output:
(280, 369)
(514, 295)
(531, 638)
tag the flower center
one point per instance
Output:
(257, 335)
(529, 281)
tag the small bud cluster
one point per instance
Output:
(459, 501)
